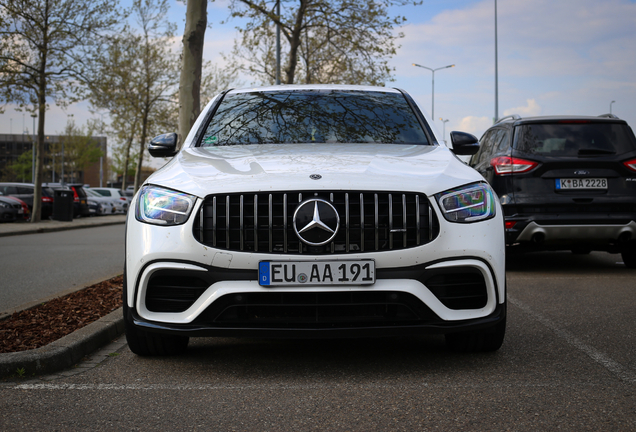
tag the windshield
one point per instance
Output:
(332, 116)
(574, 138)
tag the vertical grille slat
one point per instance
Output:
(376, 208)
(403, 220)
(256, 223)
(390, 222)
(263, 222)
(242, 222)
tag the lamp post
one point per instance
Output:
(611, 106)
(443, 128)
(496, 70)
(433, 85)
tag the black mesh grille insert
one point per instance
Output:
(462, 289)
(263, 222)
(173, 293)
(316, 310)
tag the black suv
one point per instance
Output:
(565, 182)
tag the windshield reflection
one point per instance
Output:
(315, 116)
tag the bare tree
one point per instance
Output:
(136, 78)
(326, 41)
(43, 45)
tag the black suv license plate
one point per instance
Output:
(581, 183)
(294, 273)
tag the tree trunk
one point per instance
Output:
(142, 147)
(294, 42)
(191, 65)
(124, 181)
(36, 212)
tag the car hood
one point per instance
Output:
(279, 167)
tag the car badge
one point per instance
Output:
(315, 176)
(316, 222)
(581, 172)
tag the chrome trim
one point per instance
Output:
(255, 222)
(377, 221)
(241, 223)
(390, 223)
(227, 221)
(418, 223)
(214, 221)
(271, 223)
(347, 242)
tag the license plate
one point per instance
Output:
(316, 273)
(581, 183)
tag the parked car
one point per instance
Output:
(80, 201)
(25, 214)
(565, 182)
(314, 212)
(110, 205)
(114, 193)
(10, 209)
(94, 208)
(25, 192)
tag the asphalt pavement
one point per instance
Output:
(65, 352)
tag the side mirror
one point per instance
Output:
(163, 145)
(464, 144)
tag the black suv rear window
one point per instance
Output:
(574, 138)
(332, 116)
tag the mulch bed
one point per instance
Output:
(43, 324)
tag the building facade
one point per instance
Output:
(12, 146)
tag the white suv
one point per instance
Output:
(313, 212)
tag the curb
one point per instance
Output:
(65, 352)
(54, 226)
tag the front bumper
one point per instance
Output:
(177, 285)
(437, 326)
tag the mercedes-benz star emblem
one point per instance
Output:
(316, 222)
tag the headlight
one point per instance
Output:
(469, 203)
(160, 206)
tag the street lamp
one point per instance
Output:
(611, 106)
(433, 85)
(496, 69)
(443, 128)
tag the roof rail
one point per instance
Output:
(612, 116)
(513, 117)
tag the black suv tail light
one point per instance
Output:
(512, 165)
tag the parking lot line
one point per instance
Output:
(623, 373)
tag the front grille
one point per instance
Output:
(316, 310)
(263, 222)
(462, 289)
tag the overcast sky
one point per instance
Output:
(555, 57)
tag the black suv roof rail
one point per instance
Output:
(512, 117)
(612, 116)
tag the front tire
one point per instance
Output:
(487, 340)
